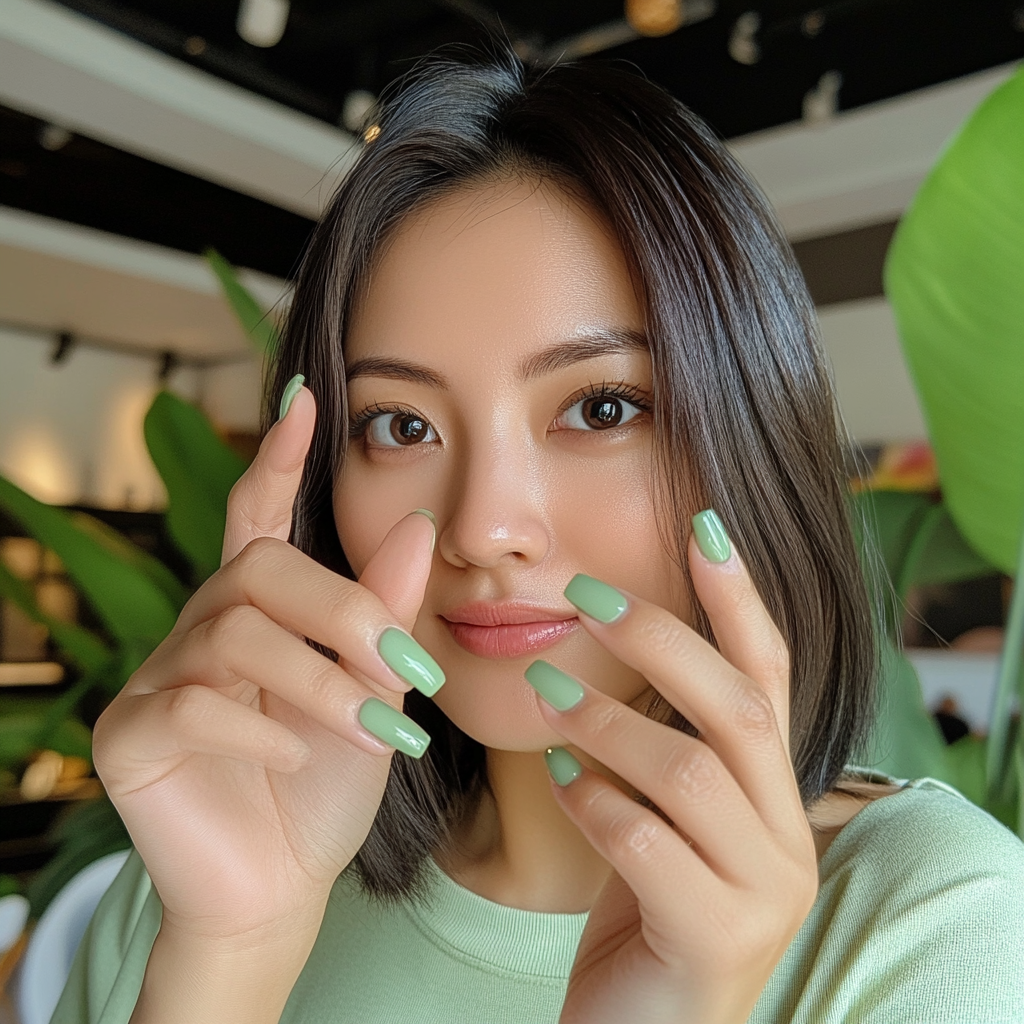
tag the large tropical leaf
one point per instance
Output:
(199, 470)
(255, 321)
(132, 607)
(906, 741)
(955, 277)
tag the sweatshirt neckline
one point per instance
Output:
(492, 936)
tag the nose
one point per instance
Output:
(497, 512)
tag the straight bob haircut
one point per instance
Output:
(744, 415)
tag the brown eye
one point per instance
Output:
(602, 412)
(394, 430)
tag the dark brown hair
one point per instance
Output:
(744, 417)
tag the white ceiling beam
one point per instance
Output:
(63, 67)
(864, 166)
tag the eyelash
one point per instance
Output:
(630, 393)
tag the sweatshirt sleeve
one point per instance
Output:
(106, 974)
(920, 920)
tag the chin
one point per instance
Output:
(500, 714)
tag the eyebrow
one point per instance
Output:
(555, 357)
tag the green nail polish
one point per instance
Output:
(595, 598)
(563, 766)
(291, 389)
(393, 728)
(410, 661)
(430, 515)
(712, 539)
(562, 692)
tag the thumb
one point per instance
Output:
(398, 571)
(260, 504)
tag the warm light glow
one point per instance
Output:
(654, 17)
(38, 463)
(30, 673)
(371, 133)
(262, 22)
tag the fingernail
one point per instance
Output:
(291, 389)
(393, 728)
(564, 768)
(595, 598)
(430, 515)
(712, 539)
(408, 660)
(562, 692)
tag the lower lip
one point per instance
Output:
(510, 641)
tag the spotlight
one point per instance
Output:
(822, 102)
(654, 17)
(358, 111)
(743, 45)
(53, 137)
(262, 22)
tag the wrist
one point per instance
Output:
(245, 979)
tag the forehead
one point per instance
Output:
(500, 268)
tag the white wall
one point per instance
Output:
(73, 432)
(876, 397)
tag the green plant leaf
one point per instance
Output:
(131, 554)
(199, 470)
(254, 320)
(81, 647)
(133, 609)
(19, 735)
(906, 741)
(955, 277)
(939, 553)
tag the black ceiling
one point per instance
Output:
(881, 48)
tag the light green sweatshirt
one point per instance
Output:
(919, 919)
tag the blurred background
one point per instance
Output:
(135, 135)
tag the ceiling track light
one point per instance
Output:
(262, 22)
(661, 17)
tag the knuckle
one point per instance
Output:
(691, 770)
(605, 717)
(187, 707)
(631, 837)
(753, 712)
(661, 633)
(231, 627)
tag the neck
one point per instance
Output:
(519, 849)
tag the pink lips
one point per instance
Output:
(507, 630)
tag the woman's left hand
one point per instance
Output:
(688, 932)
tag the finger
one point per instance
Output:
(398, 571)
(308, 599)
(645, 851)
(733, 714)
(681, 775)
(241, 645)
(170, 725)
(260, 504)
(746, 634)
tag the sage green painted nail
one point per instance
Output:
(559, 690)
(595, 598)
(291, 389)
(410, 661)
(393, 728)
(563, 766)
(430, 515)
(712, 539)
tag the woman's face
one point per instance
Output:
(498, 377)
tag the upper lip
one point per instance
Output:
(487, 613)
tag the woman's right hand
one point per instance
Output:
(235, 754)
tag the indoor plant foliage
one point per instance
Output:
(954, 275)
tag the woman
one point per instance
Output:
(546, 324)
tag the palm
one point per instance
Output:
(267, 840)
(613, 959)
